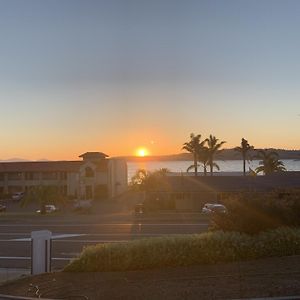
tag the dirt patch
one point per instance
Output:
(260, 278)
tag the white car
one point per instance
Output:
(209, 208)
(17, 196)
(49, 208)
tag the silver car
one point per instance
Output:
(209, 208)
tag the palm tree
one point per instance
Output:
(270, 162)
(243, 149)
(213, 148)
(203, 157)
(194, 146)
(163, 171)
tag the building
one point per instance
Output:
(95, 176)
(191, 192)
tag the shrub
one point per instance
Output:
(254, 212)
(185, 250)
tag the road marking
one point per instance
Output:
(104, 224)
(93, 241)
(71, 241)
(29, 258)
(99, 234)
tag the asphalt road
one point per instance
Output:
(69, 238)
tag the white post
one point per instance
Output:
(40, 251)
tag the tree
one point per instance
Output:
(213, 149)
(202, 157)
(145, 180)
(244, 149)
(43, 195)
(194, 146)
(139, 179)
(270, 162)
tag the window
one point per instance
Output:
(49, 175)
(14, 176)
(63, 175)
(32, 176)
(89, 172)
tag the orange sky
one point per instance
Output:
(69, 149)
(110, 77)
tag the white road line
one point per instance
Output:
(29, 258)
(101, 234)
(93, 241)
(80, 241)
(106, 224)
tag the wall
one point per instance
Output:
(117, 177)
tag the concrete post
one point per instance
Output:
(40, 251)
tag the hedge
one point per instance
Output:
(186, 250)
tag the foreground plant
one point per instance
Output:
(186, 250)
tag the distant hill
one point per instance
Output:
(226, 154)
(14, 159)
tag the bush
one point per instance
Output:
(255, 212)
(185, 250)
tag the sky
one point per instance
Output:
(116, 75)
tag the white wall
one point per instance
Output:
(117, 179)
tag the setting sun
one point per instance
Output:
(142, 152)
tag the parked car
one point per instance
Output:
(2, 208)
(139, 209)
(49, 208)
(209, 208)
(86, 204)
(83, 206)
(17, 196)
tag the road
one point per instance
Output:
(70, 238)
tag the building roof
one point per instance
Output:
(286, 180)
(48, 166)
(93, 155)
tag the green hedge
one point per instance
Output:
(185, 250)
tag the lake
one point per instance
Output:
(225, 166)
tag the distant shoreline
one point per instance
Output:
(226, 154)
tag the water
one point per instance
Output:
(225, 166)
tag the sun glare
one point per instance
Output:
(142, 152)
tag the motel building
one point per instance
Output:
(94, 176)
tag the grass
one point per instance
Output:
(185, 250)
